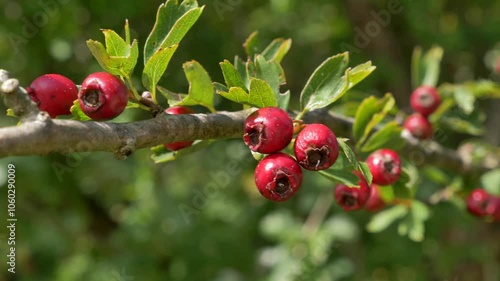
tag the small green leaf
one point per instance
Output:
(155, 67)
(172, 23)
(172, 98)
(10, 112)
(385, 218)
(365, 170)
(351, 156)
(131, 104)
(491, 182)
(161, 154)
(340, 176)
(359, 73)
(261, 94)
(201, 90)
(418, 215)
(388, 136)
(115, 45)
(283, 100)
(277, 50)
(269, 71)
(325, 85)
(425, 69)
(464, 99)
(241, 67)
(99, 52)
(386, 104)
(251, 44)
(231, 75)
(77, 112)
(363, 115)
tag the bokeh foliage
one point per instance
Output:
(105, 218)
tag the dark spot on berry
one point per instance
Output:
(348, 200)
(426, 99)
(282, 184)
(389, 165)
(316, 157)
(256, 135)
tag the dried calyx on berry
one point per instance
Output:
(385, 166)
(278, 177)
(316, 147)
(352, 198)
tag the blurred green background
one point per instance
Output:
(201, 218)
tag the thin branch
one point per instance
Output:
(40, 135)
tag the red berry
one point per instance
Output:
(103, 96)
(352, 198)
(182, 144)
(316, 147)
(493, 208)
(374, 202)
(278, 177)
(268, 130)
(477, 202)
(53, 93)
(418, 126)
(425, 100)
(498, 65)
(385, 166)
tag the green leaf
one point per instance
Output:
(77, 112)
(386, 104)
(161, 154)
(340, 176)
(241, 67)
(418, 215)
(118, 57)
(369, 114)
(10, 112)
(351, 157)
(172, 98)
(464, 99)
(283, 100)
(172, 23)
(155, 67)
(325, 85)
(201, 90)
(269, 71)
(425, 69)
(131, 104)
(364, 114)
(231, 75)
(359, 73)
(277, 50)
(251, 44)
(388, 136)
(385, 218)
(261, 94)
(491, 182)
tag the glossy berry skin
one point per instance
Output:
(53, 93)
(268, 130)
(352, 198)
(278, 177)
(493, 208)
(103, 96)
(316, 147)
(477, 202)
(374, 202)
(182, 144)
(425, 100)
(385, 166)
(418, 126)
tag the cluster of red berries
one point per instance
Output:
(482, 204)
(102, 96)
(279, 176)
(424, 101)
(385, 167)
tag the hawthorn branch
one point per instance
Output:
(40, 135)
